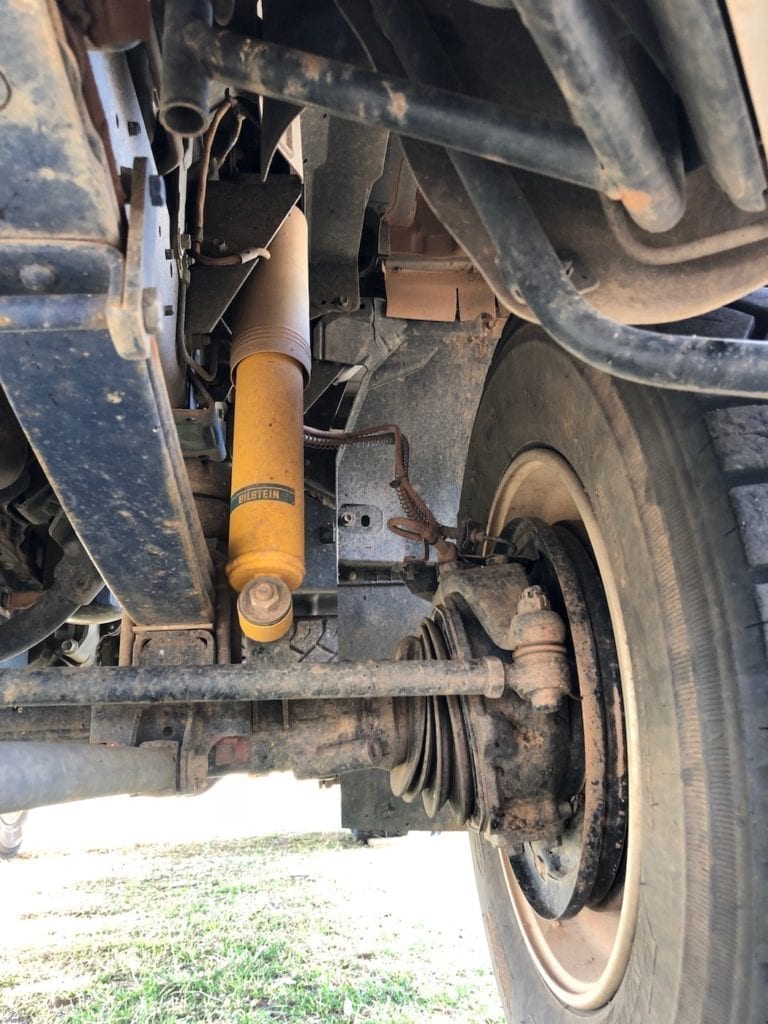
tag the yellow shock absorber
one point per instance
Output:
(270, 363)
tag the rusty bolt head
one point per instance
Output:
(264, 600)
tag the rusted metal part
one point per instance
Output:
(574, 40)
(627, 291)
(189, 684)
(527, 261)
(560, 878)
(119, 724)
(58, 186)
(427, 275)
(549, 788)
(536, 638)
(111, 24)
(265, 600)
(173, 647)
(492, 592)
(501, 766)
(419, 522)
(314, 739)
(435, 115)
(405, 362)
(695, 40)
(595, 83)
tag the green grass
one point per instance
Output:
(241, 932)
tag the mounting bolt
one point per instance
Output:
(264, 600)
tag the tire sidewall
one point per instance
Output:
(624, 443)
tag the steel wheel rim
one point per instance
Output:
(582, 960)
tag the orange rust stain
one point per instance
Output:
(312, 66)
(635, 200)
(398, 104)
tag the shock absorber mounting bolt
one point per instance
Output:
(265, 601)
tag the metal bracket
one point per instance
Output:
(133, 307)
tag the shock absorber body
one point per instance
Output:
(270, 364)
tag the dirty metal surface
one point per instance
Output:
(149, 232)
(54, 181)
(428, 276)
(368, 804)
(343, 161)
(173, 647)
(314, 739)
(502, 766)
(70, 307)
(102, 428)
(319, 532)
(374, 616)
(208, 683)
(244, 214)
(435, 115)
(427, 378)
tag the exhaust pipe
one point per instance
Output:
(39, 774)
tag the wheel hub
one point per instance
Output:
(544, 779)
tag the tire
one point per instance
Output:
(678, 486)
(309, 639)
(11, 832)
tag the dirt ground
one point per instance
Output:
(422, 884)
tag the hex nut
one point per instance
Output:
(264, 600)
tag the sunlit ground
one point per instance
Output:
(244, 905)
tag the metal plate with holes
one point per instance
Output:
(417, 362)
(367, 518)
